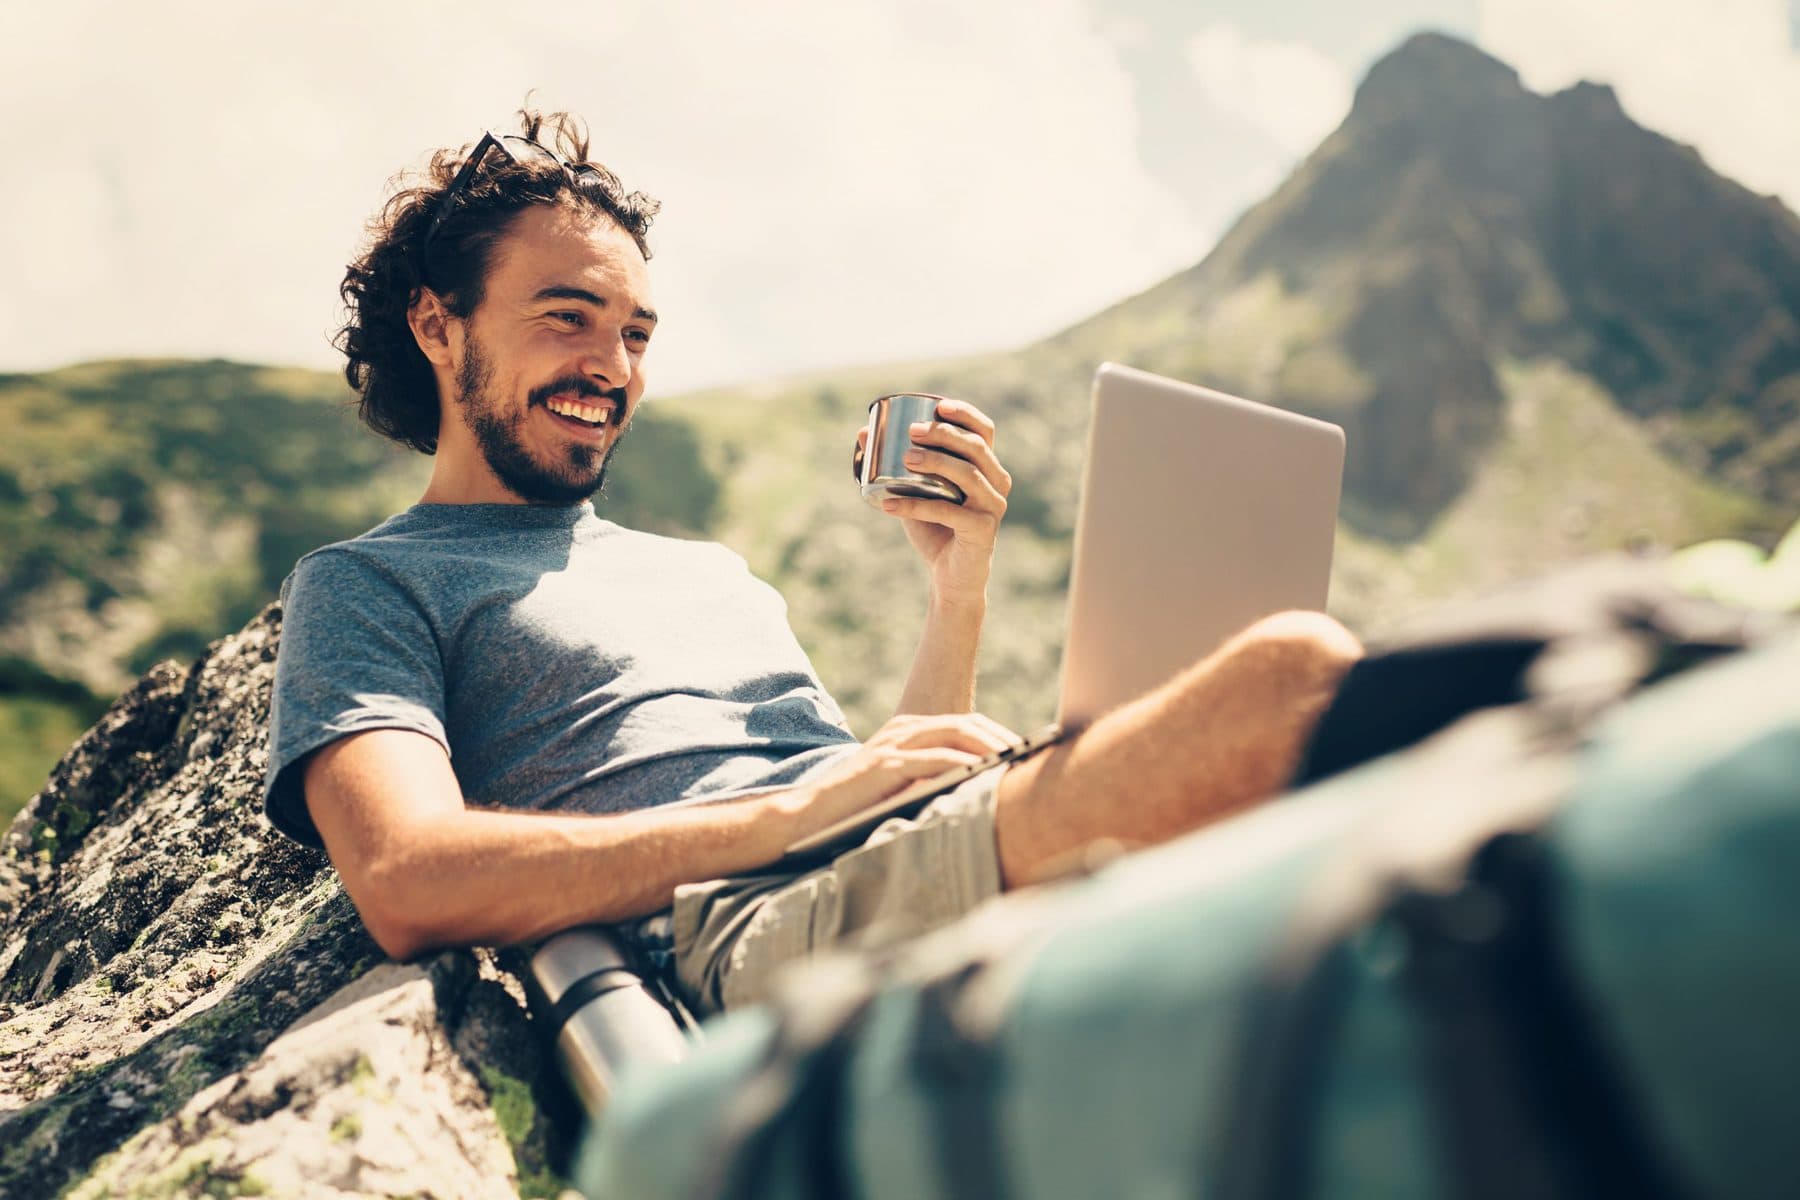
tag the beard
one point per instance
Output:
(578, 473)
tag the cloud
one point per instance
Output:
(1723, 76)
(842, 180)
(1291, 91)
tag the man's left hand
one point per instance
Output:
(955, 540)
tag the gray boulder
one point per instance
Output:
(190, 1006)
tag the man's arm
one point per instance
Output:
(957, 543)
(942, 679)
(425, 870)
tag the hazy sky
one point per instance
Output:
(843, 180)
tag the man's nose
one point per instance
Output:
(607, 362)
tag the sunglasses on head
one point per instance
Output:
(515, 148)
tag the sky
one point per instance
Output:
(843, 181)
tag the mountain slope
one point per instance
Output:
(148, 507)
(1456, 219)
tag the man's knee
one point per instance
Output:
(1304, 638)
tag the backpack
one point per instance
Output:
(1527, 930)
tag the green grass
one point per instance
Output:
(34, 734)
(1572, 476)
(163, 502)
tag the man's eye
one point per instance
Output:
(640, 336)
(567, 318)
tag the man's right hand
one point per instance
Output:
(906, 749)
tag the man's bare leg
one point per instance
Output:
(1216, 739)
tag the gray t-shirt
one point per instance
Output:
(564, 662)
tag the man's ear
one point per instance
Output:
(430, 322)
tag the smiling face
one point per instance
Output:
(548, 370)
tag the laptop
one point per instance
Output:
(1200, 514)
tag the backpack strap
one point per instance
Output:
(1452, 868)
(963, 990)
(1273, 1089)
(964, 994)
(953, 1056)
(1528, 1098)
(795, 1095)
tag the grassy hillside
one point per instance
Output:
(151, 540)
(1571, 475)
(148, 507)
(40, 716)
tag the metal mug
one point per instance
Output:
(884, 471)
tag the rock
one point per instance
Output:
(190, 1005)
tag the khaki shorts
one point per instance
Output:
(732, 936)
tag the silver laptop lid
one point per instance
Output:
(1200, 513)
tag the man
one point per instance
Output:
(503, 716)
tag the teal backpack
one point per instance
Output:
(1552, 949)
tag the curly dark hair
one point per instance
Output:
(390, 373)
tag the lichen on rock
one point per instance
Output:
(189, 1004)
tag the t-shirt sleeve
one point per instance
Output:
(357, 653)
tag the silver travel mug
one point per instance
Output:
(884, 470)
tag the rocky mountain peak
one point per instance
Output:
(1596, 100)
(1429, 71)
(1457, 222)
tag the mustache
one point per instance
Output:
(580, 385)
